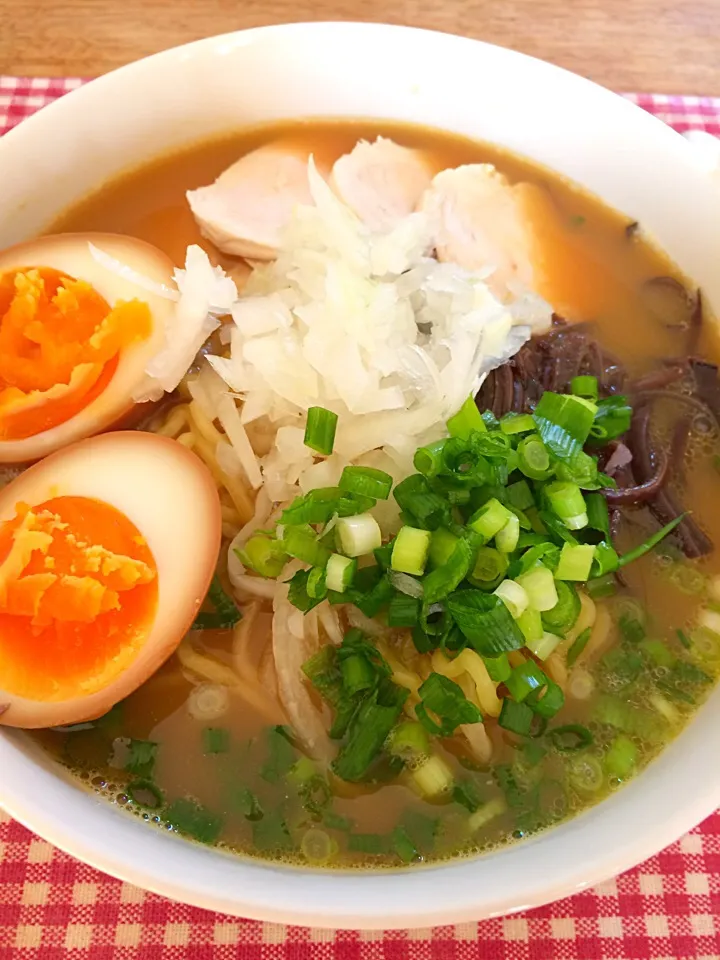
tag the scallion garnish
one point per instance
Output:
(320, 430)
(302, 543)
(410, 550)
(575, 562)
(585, 386)
(567, 501)
(339, 572)
(448, 705)
(359, 535)
(570, 737)
(516, 717)
(651, 542)
(485, 621)
(467, 419)
(366, 482)
(524, 679)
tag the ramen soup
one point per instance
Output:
(409, 552)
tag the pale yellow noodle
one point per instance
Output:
(230, 530)
(229, 513)
(557, 669)
(470, 662)
(600, 636)
(187, 440)
(204, 426)
(586, 618)
(239, 494)
(175, 422)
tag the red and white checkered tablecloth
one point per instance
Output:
(53, 907)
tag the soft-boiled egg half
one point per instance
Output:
(75, 337)
(107, 550)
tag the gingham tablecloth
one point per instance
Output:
(53, 907)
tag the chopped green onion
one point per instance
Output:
(141, 757)
(498, 668)
(357, 536)
(320, 505)
(410, 550)
(446, 700)
(298, 592)
(565, 612)
(585, 386)
(506, 539)
(336, 822)
(543, 647)
(371, 843)
(544, 552)
(513, 596)
(567, 501)
(339, 572)
(191, 818)
(216, 740)
(489, 519)
(530, 624)
(564, 423)
(403, 845)
(578, 645)
(366, 482)
(146, 794)
(465, 792)
(281, 755)
(418, 500)
(409, 740)
(557, 527)
(446, 578)
(586, 774)
(303, 544)
(490, 565)
(524, 679)
(442, 545)
(485, 621)
(621, 757)
(433, 778)
(539, 584)
(357, 674)
(227, 614)
(263, 555)
(520, 495)
(320, 430)
(403, 611)
(428, 460)
(575, 561)
(605, 560)
(651, 542)
(513, 423)
(657, 652)
(533, 458)
(516, 717)
(602, 587)
(612, 419)
(466, 420)
(570, 737)
(598, 516)
(546, 701)
(271, 833)
(368, 731)
(317, 847)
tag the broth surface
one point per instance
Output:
(592, 270)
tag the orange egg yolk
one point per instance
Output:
(78, 594)
(59, 347)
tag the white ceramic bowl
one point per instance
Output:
(625, 156)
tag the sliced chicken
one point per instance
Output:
(246, 210)
(381, 182)
(480, 222)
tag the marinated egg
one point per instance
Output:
(75, 338)
(107, 549)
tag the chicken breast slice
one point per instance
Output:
(479, 222)
(245, 211)
(381, 182)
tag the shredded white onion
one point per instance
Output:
(369, 326)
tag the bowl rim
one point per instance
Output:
(373, 900)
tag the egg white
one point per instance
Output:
(170, 496)
(69, 253)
